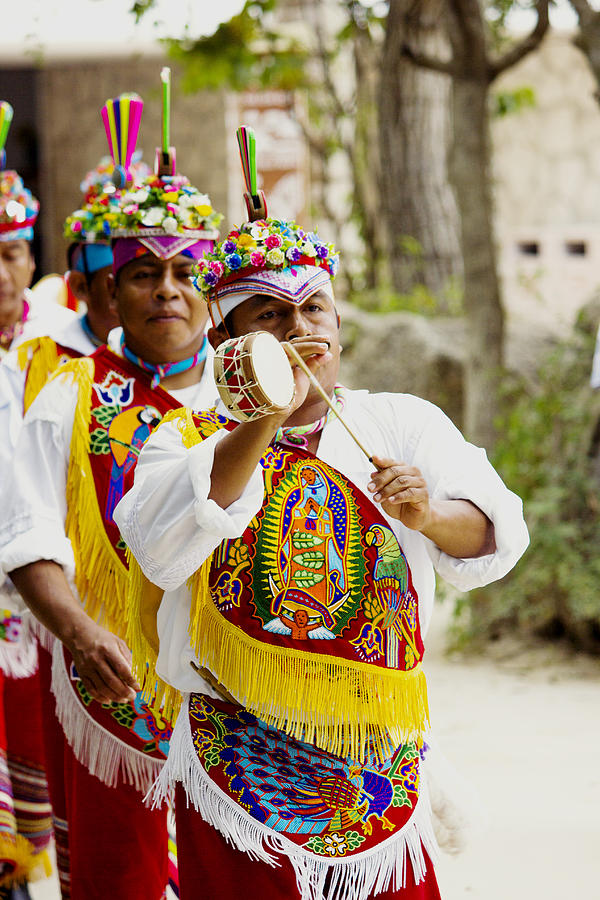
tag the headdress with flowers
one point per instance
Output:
(87, 223)
(263, 244)
(18, 207)
(155, 205)
(139, 204)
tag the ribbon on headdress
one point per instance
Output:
(162, 246)
(89, 258)
(294, 284)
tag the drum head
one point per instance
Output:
(272, 369)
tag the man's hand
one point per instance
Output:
(402, 492)
(314, 350)
(103, 660)
(103, 663)
(458, 527)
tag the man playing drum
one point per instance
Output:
(298, 581)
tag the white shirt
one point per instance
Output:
(171, 526)
(32, 526)
(64, 327)
(12, 381)
(44, 318)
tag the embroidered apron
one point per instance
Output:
(116, 411)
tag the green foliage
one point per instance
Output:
(497, 14)
(506, 102)
(141, 7)
(243, 53)
(544, 456)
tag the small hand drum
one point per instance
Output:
(254, 376)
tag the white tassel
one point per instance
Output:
(98, 749)
(19, 659)
(356, 878)
(45, 637)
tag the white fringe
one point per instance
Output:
(100, 751)
(356, 878)
(45, 637)
(19, 659)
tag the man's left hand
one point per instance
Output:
(402, 492)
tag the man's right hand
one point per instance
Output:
(103, 663)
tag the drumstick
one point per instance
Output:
(298, 359)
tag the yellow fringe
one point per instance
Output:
(143, 601)
(142, 638)
(40, 357)
(347, 708)
(18, 850)
(100, 576)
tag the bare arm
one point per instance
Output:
(457, 527)
(102, 659)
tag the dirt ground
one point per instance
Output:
(523, 726)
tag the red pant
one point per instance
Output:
(108, 843)
(26, 759)
(210, 867)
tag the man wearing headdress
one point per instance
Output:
(79, 444)
(298, 580)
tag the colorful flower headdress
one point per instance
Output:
(18, 207)
(263, 244)
(91, 222)
(154, 205)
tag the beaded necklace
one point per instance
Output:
(164, 370)
(297, 435)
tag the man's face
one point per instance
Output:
(162, 315)
(16, 271)
(315, 318)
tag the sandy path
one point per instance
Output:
(529, 740)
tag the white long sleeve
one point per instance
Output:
(167, 520)
(171, 526)
(33, 523)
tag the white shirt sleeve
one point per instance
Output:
(32, 526)
(457, 470)
(167, 520)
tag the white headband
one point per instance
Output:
(293, 285)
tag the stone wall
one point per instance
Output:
(547, 188)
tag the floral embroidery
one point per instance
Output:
(335, 844)
(10, 626)
(330, 806)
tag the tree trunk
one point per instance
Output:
(366, 164)
(416, 200)
(469, 165)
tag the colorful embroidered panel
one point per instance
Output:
(11, 626)
(319, 570)
(124, 410)
(133, 724)
(328, 806)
